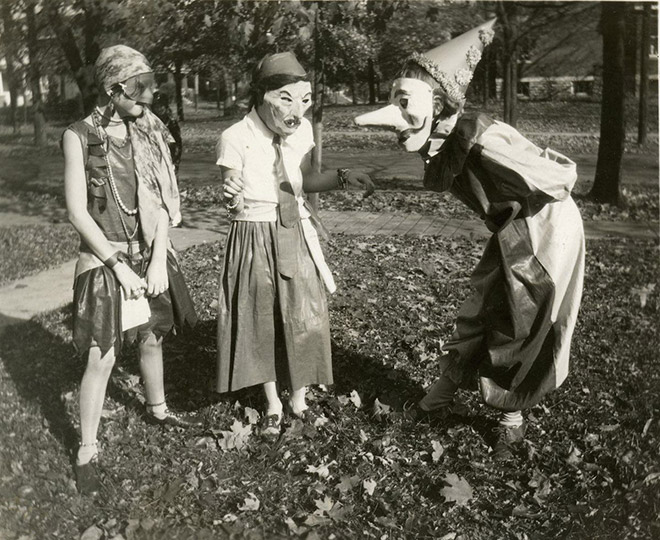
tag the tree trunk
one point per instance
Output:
(642, 125)
(371, 72)
(317, 107)
(196, 90)
(353, 90)
(9, 41)
(510, 50)
(35, 75)
(631, 47)
(82, 72)
(612, 120)
(485, 78)
(229, 93)
(178, 77)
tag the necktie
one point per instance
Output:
(288, 204)
(287, 233)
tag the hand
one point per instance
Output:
(233, 193)
(361, 180)
(232, 186)
(133, 285)
(157, 282)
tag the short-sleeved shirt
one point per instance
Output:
(247, 146)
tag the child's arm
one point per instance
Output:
(75, 191)
(315, 182)
(232, 189)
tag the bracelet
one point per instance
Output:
(113, 260)
(342, 178)
(232, 205)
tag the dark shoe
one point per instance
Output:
(414, 413)
(506, 439)
(270, 426)
(174, 419)
(87, 478)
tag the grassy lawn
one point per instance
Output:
(587, 469)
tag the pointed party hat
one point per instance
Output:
(452, 64)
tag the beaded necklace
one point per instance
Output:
(113, 185)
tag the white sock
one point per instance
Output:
(511, 419)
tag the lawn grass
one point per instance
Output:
(587, 469)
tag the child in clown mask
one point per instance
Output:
(121, 196)
(273, 324)
(514, 332)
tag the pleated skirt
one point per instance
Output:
(270, 328)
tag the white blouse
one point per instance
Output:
(247, 146)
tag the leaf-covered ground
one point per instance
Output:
(587, 469)
(394, 195)
(29, 249)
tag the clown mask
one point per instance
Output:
(410, 113)
(283, 109)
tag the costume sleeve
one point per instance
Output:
(447, 164)
(229, 151)
(307, 136)
(522, 168)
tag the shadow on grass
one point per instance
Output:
(46, 369)
(43, 368)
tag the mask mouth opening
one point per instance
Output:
(292, 122)
(407, 133)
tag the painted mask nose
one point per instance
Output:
(388, 117)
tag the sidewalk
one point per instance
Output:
(51, 289)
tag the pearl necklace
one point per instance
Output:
(111, 177)
(110, 120)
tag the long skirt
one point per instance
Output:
(270, 328)
(97, 307)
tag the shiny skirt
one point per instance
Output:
(97, 307)
(270, 327)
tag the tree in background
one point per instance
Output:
(33, 32)
(9, 39)
(79, 25)
(645, 50)
(606, 187)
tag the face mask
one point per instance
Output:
(414, 99)
(139, 88)
(283, 109)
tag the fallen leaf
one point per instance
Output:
(92, 533)
(294, 528)
(381, 409)
(438, 450)
(355, 399)
(348, 483)
(456, 489)
(322, 470)
(237, 437)
(574, 457)
(323, 506)
(251, 415)
(369, 486)
(250, 503)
